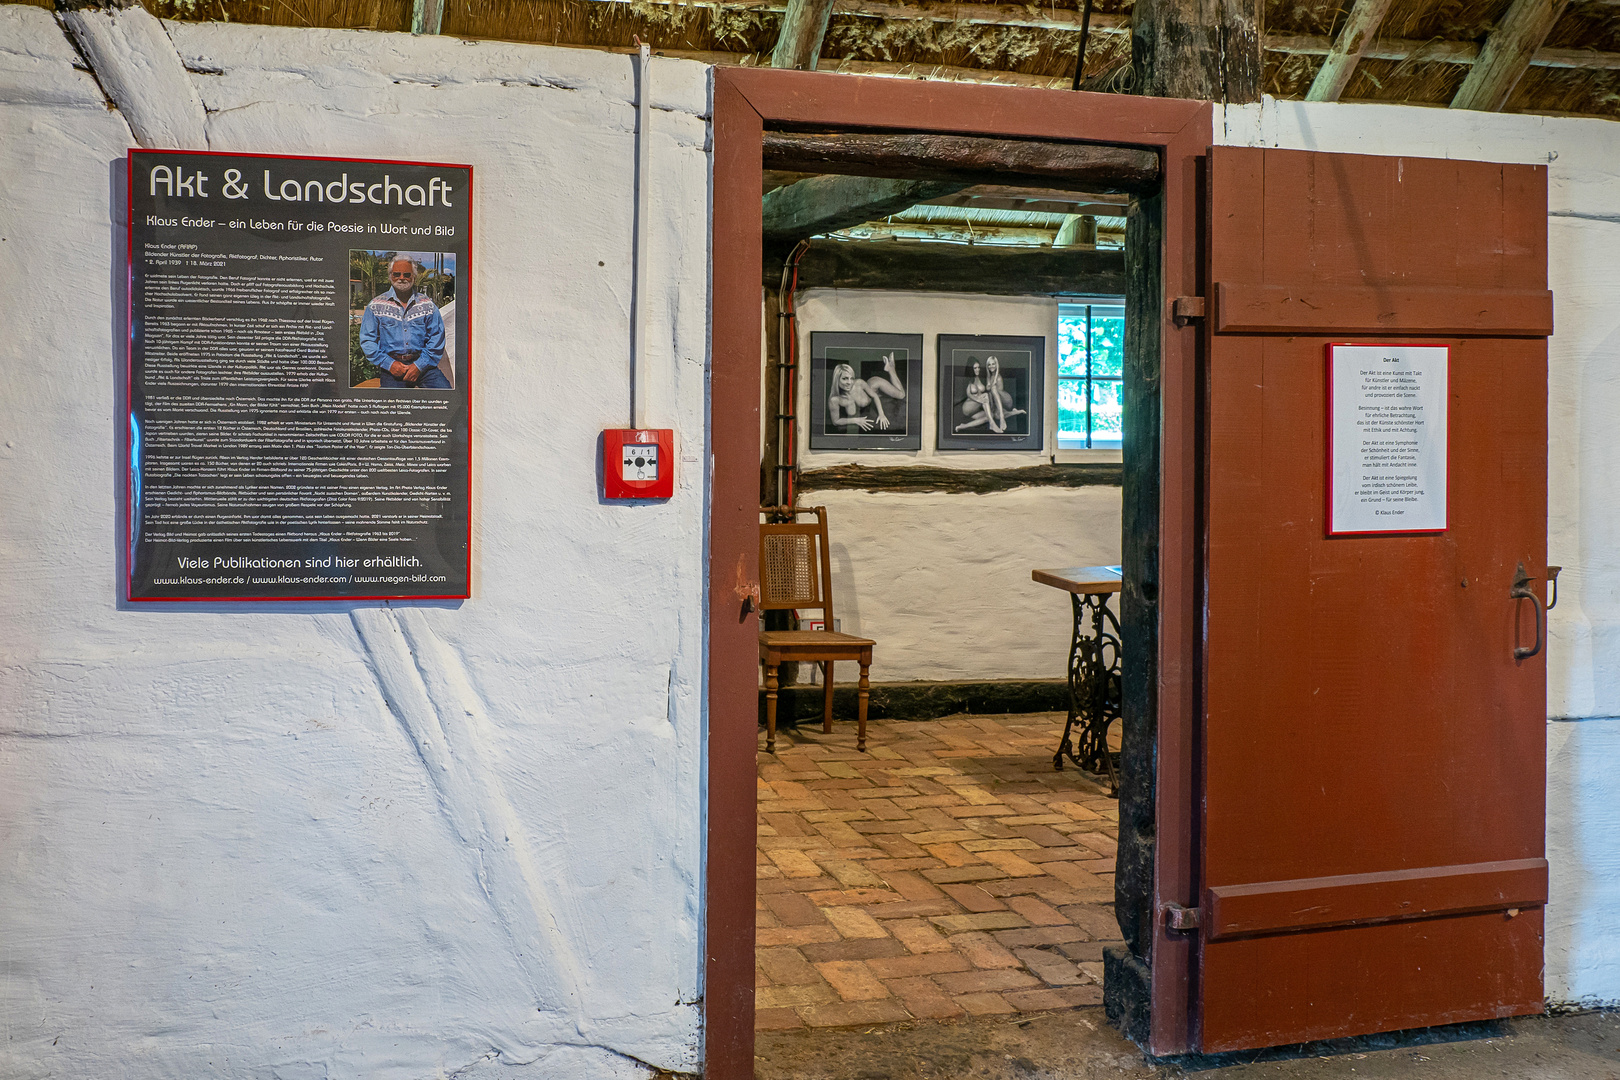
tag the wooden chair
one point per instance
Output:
(793, 573)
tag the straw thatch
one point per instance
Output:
(1420, 55)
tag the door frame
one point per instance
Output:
(745, 102)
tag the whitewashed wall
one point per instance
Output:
(1583, 652)
(311, 841)
(941, 581)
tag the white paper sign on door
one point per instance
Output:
(1387, 438)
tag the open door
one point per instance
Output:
(1373, 751)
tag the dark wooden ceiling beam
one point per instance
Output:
(966, 159)
(823, 204)
(1347, 50)
(965, 268)
(1208, 49)
(1507, 54)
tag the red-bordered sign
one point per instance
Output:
(299, 378)
(1388, 459)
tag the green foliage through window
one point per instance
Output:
(1091, 370)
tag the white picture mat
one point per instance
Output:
(1387, 468)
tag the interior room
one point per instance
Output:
(897, 882)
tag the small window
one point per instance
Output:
(1091, 374)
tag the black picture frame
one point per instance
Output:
(1019, 364)
(872, 397)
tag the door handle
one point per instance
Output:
(1521, 590)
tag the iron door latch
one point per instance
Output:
(1182, 920)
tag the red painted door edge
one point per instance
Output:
(745, 101)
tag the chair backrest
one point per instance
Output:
(793, 562)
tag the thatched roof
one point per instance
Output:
(1419, 55)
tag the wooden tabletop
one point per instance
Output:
(1081, 579)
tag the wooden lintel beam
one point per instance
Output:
(1348, 48)
(968, 159)
(824, 204)
(1507, 53)
(798, 41)
(922, 267)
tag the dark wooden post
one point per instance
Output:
(1207, 49)
(1127, 991)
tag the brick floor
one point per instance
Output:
(949, 871)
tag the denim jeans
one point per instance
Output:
(432, 379)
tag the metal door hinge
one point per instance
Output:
(1187, 308)
(1182, 919)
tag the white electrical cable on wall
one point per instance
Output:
(638, 293)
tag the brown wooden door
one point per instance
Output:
(1373, 755)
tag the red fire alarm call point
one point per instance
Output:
(638, 463)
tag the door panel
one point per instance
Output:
(1364, 715)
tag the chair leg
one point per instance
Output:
(826, 697)
(860, 735)
(770, 708)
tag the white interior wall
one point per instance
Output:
(361, 840)
(941, 581)
(1583, 649)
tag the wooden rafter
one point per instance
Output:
(798, 42)
(1507, 54)
(823, 204)
(427, 16)
(1348, 48)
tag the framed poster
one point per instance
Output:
(1387, 438)
(865, 391)
(991, 392)
(299, 374)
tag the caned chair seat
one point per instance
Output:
(793, 574)
(787, 643)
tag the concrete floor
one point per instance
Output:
(1077, 1044)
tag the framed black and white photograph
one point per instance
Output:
(991, 390)
(865, 391)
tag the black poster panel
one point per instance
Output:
(300, 375)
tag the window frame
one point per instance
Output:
(1089, 446)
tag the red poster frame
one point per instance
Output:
(1327, 456)
(129, 377)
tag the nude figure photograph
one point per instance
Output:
(865, 391)
(990, 392)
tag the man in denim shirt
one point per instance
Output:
(403, 334)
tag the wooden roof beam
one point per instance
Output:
(798, 42)
(825, 204)
(917, 266)
(1507, 54)
(1348, 48)
(966, 159)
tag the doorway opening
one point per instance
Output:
(945, 391)
(832, 404)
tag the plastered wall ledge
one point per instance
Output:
(326, 60)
